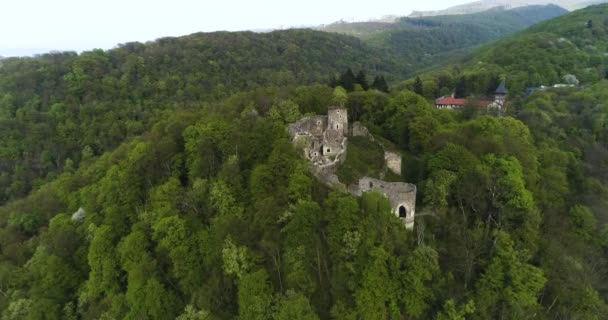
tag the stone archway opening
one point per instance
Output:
(402, 212)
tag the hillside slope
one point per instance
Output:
(573, 44)
(213, 214)
(483, 5)
(83, 105)
(190, 206)
(422, 42)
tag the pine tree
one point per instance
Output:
(347, 80)
(418, 86)
(362, 80)
(460, 91)
(333, 81)
(380, 84)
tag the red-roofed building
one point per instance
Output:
(500, 96)
(449, 103)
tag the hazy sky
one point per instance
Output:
(34, 26)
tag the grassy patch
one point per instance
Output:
(363, 158)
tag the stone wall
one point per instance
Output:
(314, 125)
(359, 130)
(401, 195)
(393, 161)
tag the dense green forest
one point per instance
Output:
(61, 108)
(134, 189)
(548, 53)
(423, 42)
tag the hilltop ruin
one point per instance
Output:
(323, 140)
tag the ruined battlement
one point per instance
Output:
(314, 125)
(323, 140)
(393, 161)
(401, 195)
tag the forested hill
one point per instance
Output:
(421, 42)
(135, 191)
(55, 106)
(482, 5)
(573, 44)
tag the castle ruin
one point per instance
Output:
(401, 195)
(393, 161)
(323, 140)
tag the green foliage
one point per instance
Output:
(452, 312)
(255, 296)
(285, 111)
(199, 207)
(215, 210)
(235, 259)
(364, 158)
(294, 306)
(426, 41)
(437, 188)
(584, 221)
(510, 283)
(61, 105)
(375, 291)
(422, 269)
(190, 313)
(557, 51)
(339, 96)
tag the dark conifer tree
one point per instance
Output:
(460, 91)
(362, 80)
(380, 84)
(418, 86)
(492, 85)
(347, 80)
(333, 81)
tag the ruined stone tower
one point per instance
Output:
(401, 195)
(338, 120)
(337, 129)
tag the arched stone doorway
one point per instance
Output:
(402, 212)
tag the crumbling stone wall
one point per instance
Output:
(401, 195)
(323, 138)
(393, 161)
(314, 125)
(359, 130)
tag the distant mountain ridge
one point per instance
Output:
(422, 42)
(483, 5)
(568, 49)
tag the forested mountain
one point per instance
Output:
(60, 108)
(421, 42)
(483, 5)
(545, 54)
(158, 193)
